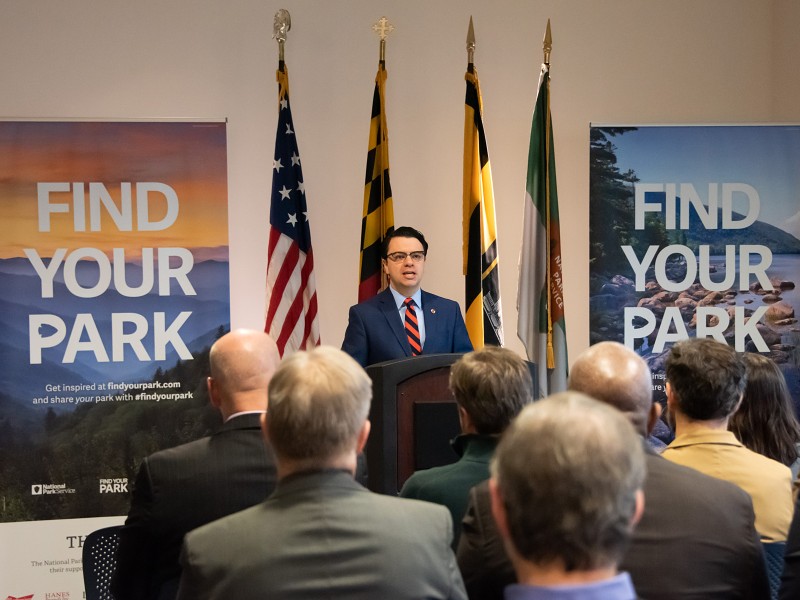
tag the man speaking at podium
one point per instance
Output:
(404, 320)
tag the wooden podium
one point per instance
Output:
(413, 416)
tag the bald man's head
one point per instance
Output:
(616, 375)
(242, 364)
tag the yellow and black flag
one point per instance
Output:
(378, 217)
(482, 280)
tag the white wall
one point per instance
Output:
(618, 61)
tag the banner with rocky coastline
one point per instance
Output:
(695, 232)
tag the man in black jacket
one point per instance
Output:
(182, 488)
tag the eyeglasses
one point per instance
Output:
(401, 256)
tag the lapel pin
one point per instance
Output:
(433, 311)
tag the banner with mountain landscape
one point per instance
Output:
(695, 231)
(113, 285)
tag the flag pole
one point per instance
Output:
(291, 310)
(483, 313)
(470, 71)
(547, 46)
(383, 28)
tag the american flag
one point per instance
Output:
(291, 291)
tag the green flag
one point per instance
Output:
(540, 295)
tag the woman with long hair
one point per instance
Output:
(765, 421)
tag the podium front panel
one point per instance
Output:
(410, 395)
(427, 419)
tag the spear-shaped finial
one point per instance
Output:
(547, 46)
(280, 26)
(383, 28)
(470, 42)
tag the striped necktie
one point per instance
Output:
(412, 327)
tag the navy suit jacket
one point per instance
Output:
(375, 331)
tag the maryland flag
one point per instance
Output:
(481, 274)
(378, 217)
(540, 296)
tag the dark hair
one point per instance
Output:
(765, 421)
(406, 232)
(492, 385)
(707, 378)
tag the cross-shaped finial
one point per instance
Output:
(383, 28)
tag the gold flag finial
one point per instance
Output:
(383, 28)
(470, 42)
(280, 26)
(547, 46)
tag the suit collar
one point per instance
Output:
(244, 421)
(475, 446)
(310, 480)
(389, 310)
(434, 326)
(399, 299)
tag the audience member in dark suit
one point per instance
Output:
(566, 490)
(696, 538)
(491, 386)
(179, 489)
(321, 534)
(376, 331)
(790, 581)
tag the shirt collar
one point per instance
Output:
(245, 412)
(399, 299)
(619, 587)
(705, 436)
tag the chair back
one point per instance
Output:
(773, 556)
(99, 561)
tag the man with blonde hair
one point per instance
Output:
(321, 534)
